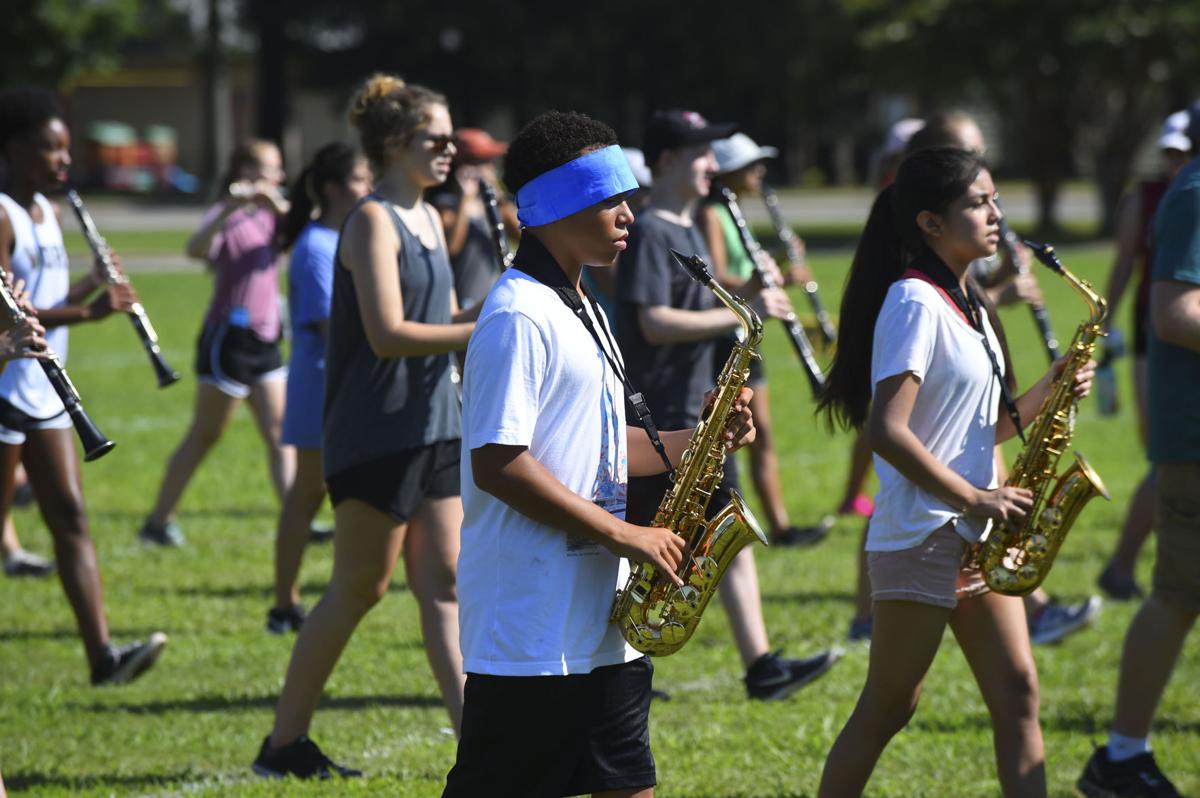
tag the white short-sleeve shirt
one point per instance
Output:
(954, 415)
(533, 600)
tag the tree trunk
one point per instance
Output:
(272, 73)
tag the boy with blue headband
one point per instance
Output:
(556, 702)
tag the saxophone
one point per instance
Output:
(654, 615)
(1015, 559)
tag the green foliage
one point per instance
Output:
(193, 725)
(48, 41)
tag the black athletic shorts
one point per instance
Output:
(646, 493)
(552, 736)
(234, 358)
(397, 484)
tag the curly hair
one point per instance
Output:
(385, 110)
(552, 139)
(24, 109)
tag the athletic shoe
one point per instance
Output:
(23, 495)
(319, 533)
(1055, 621)
(285, 619)
(1137, 777)
(24, 563)
(169, 534)
(804, 535)
(122, 664)
(773, 678)
(860, 505)
(860, 631)
(1119, 588)
(300, 758)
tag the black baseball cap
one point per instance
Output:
(669, 130)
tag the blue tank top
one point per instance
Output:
(376, 407)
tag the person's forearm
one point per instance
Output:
(414, 339)
(83, 288)
(897, 444)
(65, 316)
(662, 325)
(200, 241)
(644, 460)
(515, 477)
(1118, 281)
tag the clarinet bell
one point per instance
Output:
(95, 444)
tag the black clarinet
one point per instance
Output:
(1009, 240)
(499, 237)
(791, 244)
(137, 314)
(95, 445)
(795, 332)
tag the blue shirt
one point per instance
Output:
(1174, 371)
(310, 293)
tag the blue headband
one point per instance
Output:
(575, 185)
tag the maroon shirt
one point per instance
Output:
(246, 265)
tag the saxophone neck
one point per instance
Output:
(697, 269)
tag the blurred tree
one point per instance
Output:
(1089, 78)
(50, 41)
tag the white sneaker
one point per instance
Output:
(24, 563)
(1055, 621)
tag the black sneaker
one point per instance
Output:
(121, 664)
(300, 758)
(320, 533)
(169, 534)
(1119, 588)
(1137, 777)
(286, 619)
(803, 535)
(24, 563)
(773, 678)
(23, 495)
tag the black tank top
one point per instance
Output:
(376, 407)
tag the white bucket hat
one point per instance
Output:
(737, 151)
(1174, 135)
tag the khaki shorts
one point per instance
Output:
(1177, 524)
(938, 571)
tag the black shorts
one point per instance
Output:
(551, 736)
(646, 493)
(397, 484)
(233, 358)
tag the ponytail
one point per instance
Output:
(333, 163)
(879, 260)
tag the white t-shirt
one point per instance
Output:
(40, 259)
(533, 600)
(954, 414)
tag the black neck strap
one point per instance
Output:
(968, 303)
(534, 259)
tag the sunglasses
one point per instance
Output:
(440, 143)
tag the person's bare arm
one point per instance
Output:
(1128, 226)
(1175, 312)
(369, 248)
(644, 460)
(199, 243)
(515, 477)
(1030, 402)
(891, 437)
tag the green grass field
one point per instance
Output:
(193, 725)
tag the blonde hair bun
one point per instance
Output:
(378, 88)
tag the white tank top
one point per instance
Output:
(40, 259)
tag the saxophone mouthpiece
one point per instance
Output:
(1046, 254)
(694, 265)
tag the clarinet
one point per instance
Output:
(795, 332)
(95, 444)
(1008, 240)
(792, 245)
(499, 236)
(137, 314)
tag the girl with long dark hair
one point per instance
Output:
(337, 177)
(928, 388)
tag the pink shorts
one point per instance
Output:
(938, 571)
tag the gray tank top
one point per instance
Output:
(376, 407)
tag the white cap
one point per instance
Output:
(1174, 134)
(737, 151)
(899, 134)
(637, 162)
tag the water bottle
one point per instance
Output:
(1106, 377)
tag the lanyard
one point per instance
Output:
(533, 259)
(931, 269)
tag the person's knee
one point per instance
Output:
(885, 714)
(1020, 698)
(66, 516)
(361, 591)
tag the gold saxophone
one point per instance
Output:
(1014, 558)
(654, 615)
